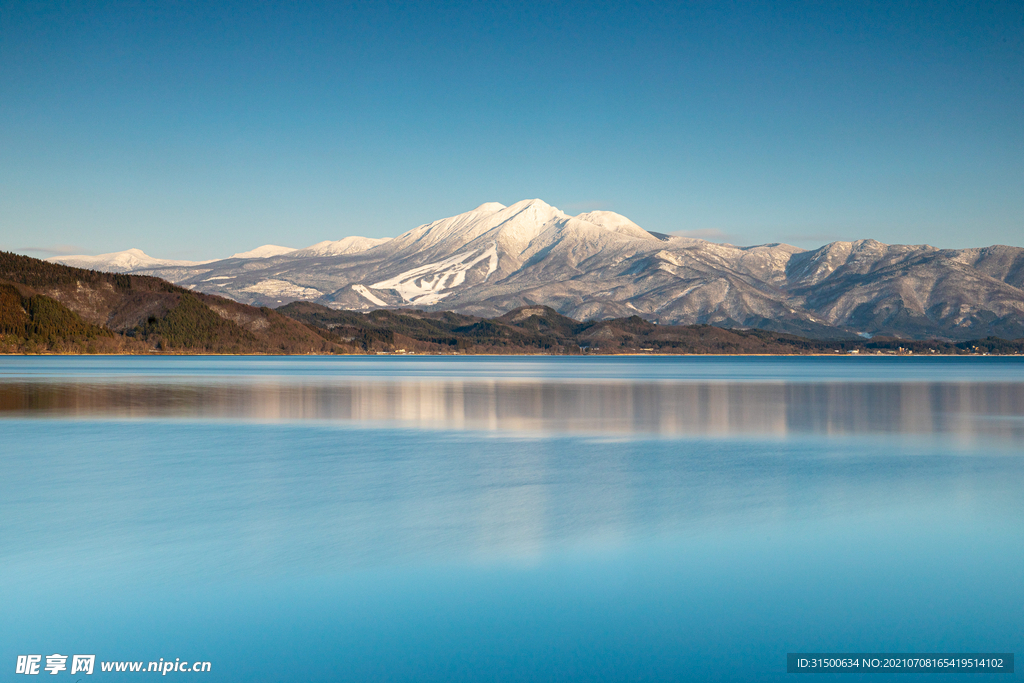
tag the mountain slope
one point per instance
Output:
(541, 330)
(347, 245)
(51, 307)
(915, 291)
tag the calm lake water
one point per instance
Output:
(508, 519)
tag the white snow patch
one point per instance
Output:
(347, 245)
(425, 285)
(361, 289)
(220, 277)
(283, 288)
(266, 251)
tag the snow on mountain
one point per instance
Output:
(600, 264)
(453, 232)
(425, 285)
(282, 288)
(347, 245)
(125, 261)
(616, 223)
(368, 295)
(266, 251)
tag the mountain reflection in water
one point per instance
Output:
(965, 409)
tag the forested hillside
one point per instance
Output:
(539, 329)
(51, 308)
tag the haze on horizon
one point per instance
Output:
(194, 131)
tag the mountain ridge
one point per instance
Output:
(51, 308)
(599, 265)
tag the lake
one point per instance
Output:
(508, 519)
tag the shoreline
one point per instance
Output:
(523, 355)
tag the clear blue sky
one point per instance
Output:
(196, 129)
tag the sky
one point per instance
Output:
(195, 130)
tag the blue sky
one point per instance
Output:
(194, 129)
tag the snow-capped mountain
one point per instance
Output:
(126, 261)
(266, 251)
(348, 245)
(600, 264)
(131, 260)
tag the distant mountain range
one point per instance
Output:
(600, 265)
(52, 308)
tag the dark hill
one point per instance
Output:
(46, 307)
(540, 329)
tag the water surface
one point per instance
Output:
(508, 519)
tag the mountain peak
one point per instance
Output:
(119, 261)
(609, 220)
(266, 251)
(489, 207)
(353, 244)
(538, 204)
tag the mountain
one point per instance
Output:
(51, 308)
(48, 307)
(266, 251)
(134, 260)
(348, 245)
(125, 261)
(600, 265)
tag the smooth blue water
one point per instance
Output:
(310, 519)
(547, 368)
